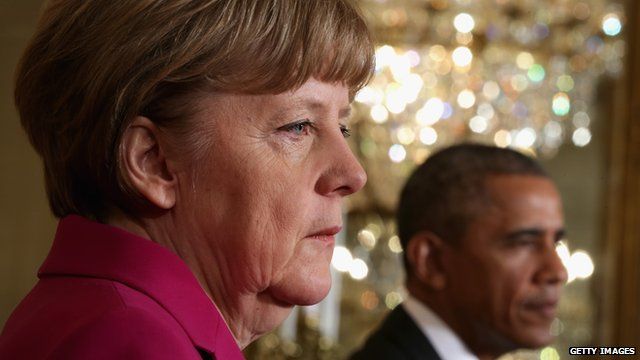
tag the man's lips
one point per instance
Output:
(545, 308)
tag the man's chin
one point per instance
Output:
(534, 338)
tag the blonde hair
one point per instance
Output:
(92, 66)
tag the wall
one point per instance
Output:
(26, 224)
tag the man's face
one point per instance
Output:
(504, 278)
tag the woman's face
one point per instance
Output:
(262, 204)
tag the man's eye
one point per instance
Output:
(522, 240)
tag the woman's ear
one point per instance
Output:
(144, 164)
(424, 254)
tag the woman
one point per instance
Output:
(195, 153)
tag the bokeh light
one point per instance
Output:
(379, 114)
(358, 269)
(486, 110)
(394, 244)
(581, 137)
(405, 135)
(464, 23)
(478, 124)
(536, 73)
(466, 99)
(549, 353)
(525, 138)
(582, 265)
(392, 299)
(428, 135)
(561, 104)
(611, 24)
(432, 110)
(565, 83)
(341, 259)
(491, 90)
(502, 138)
(524, 60)
(384, 56)
(397, 153)
(366, 238)
(462, 56)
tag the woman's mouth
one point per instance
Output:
(326, 235)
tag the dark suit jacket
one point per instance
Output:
(397, 338)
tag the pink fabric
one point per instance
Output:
(104, 293)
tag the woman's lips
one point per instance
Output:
(326, 235)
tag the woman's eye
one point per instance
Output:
(346, 132)
(299, 128)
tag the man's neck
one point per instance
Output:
(481, 341)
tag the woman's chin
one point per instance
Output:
(303, 287)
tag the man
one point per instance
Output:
(479, 226)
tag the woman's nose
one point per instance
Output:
(344, 175)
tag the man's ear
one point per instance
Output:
(144, 163)
(424, 254)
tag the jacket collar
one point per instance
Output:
(86, 248)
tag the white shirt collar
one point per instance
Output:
(446, 342)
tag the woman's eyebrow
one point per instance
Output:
(345, 112)
(314, 105)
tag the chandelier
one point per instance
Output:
(510, 73)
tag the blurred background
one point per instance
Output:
(554, 79)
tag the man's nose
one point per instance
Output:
(552, 271)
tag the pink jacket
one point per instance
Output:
(104, 293)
